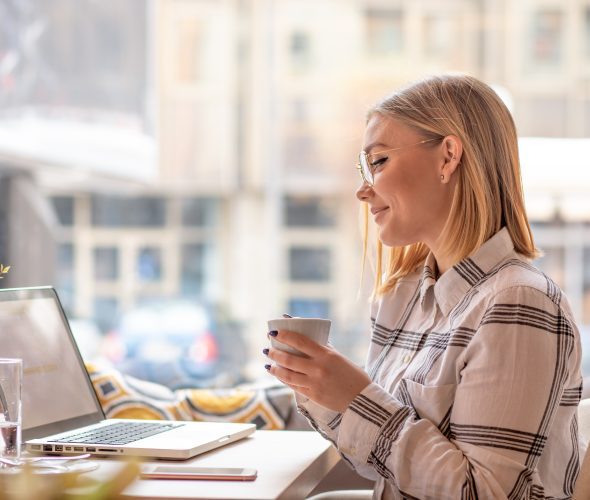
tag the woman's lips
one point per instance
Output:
(377, 211)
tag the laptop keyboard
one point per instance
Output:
(119, 433)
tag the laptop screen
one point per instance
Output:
(56, 387)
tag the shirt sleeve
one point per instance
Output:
(511, 378)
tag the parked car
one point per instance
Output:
(178, 343)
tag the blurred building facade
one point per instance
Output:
(257, 109)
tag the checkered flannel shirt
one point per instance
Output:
(476, 383)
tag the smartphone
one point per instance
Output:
(205, 473)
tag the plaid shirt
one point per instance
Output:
(476, 383)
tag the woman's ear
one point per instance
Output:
(452, 153)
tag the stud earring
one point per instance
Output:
(442, 178)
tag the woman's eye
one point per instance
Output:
(378, 162)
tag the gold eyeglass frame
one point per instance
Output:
(363, 156)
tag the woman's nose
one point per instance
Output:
(363, 192)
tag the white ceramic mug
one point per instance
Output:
(316, 329)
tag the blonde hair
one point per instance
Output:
(488, 193)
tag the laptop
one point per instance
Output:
(61, 412)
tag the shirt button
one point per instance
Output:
(407, 358)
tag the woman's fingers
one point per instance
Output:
(291, 378)
(297, 341)
(287, 360)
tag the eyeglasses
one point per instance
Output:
(366, 168)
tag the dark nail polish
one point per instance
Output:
(273, 333)
(267, 367)
(265, 351)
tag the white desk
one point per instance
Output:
(290, 464)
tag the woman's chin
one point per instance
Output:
(394, 240)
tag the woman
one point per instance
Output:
(473, 373)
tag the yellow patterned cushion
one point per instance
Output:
(122, 396)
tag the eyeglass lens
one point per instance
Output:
(366, 172)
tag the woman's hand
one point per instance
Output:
(325, 376)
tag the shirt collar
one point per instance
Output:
(429, 273)
(457, 281)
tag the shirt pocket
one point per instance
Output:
(431, 402)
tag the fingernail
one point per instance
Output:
(265, 351)
(273, 333)
(267, 367)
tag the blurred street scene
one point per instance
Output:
(183, 170)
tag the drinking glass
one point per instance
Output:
(11, 376)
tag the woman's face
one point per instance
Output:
(408, 201)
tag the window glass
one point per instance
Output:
(300, 50)
(149, 264)
(112, 211)
(81, 62)
(192, 273)
(199, 212)
(166, 135)
(64, 209)
(309, 264)
(304, 211)
(106, 263)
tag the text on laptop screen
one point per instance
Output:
(54, 385)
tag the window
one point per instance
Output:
(192, 274)
(149, 264)
(309, 264)
(546, 40)
(96, 53)
(309, 212)
(199, 212)
(309, 308)
(106, 263)
(385, 33)
(300, 50)
(112, 211)
(64, 209)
